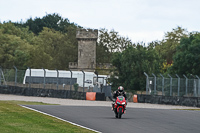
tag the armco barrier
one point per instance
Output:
(171, 100)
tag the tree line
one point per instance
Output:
(178, 53)
(50, 42)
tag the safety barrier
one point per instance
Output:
(91, 96)
(42, 92)
(170, 100)
(98, 96)
(135, 100)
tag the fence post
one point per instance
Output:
(178, 84)
(83, 80)
(15, 75)
(147, 82)
(96, 74)
(195, 87)
(154, 83)
(44, 77)
(198, 93)
(163, 81)
(170, 85)
(57, 78)
(3, 76)
(70, 81)
(29, 78)
(186, 84)
(0, 75)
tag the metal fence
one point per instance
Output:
(172, 86)
(104, 89)
(15, 77)
(11, 77)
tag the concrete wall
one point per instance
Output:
(42, 92)
(171, 100)
(38, 92)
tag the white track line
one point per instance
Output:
(61, 119)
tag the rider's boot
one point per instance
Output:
(112, 107)
(124, 109)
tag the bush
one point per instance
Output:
(76, 87)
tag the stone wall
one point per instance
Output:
(87, 54)
(87, 34)
(86, 50)
(73, 65)
(104, 65)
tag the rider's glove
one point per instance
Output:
(114, 100)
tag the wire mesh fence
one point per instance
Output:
(172, 86)
(14, 77)
(53, 79)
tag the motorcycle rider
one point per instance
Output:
(119, 92)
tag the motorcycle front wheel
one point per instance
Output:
(120, 113)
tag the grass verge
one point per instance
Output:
(16, 119)
(189, 109)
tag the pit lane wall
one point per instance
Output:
(170, 100)
(50, 93)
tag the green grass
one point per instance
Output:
(16, 119)
(188, 109)
(29, 103)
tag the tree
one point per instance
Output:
(49, 49)
(131, 64)
(187, 57)
(52, 50)
(11, 29)
(110, 42)
(52, 21)
(14, 46)
(168, 46)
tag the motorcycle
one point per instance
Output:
(119, 106)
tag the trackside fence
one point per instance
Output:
(16, 78)
(172, 85)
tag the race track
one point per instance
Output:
(136, 120)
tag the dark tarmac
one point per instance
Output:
(136, 120)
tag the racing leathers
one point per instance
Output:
(116, 94)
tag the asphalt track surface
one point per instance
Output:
(136, 120)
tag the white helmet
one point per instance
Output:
(120, 88)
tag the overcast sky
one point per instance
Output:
(140, 20)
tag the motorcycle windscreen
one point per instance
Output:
(120, 98)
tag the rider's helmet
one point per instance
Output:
(121, 88)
